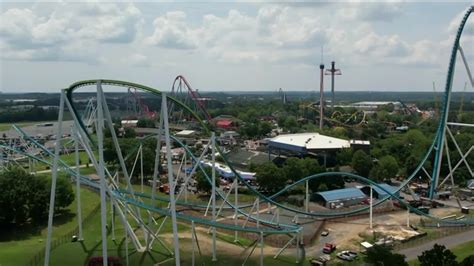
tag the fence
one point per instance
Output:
(39, 257)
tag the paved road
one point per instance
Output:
(449, 242)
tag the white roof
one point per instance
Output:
(129, 121)
(366, 245)
(312, 141)
(186, 132)
(375, 103)
(360, 142)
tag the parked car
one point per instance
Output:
(325, 233)
(329, 248)
(347, 255)
(321, 261)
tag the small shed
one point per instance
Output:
(339, 197)
(186, 133)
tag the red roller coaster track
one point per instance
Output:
(181, 86)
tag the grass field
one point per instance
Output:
(464, 250)
(461, 251)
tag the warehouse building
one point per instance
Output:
(314, 144)
(379, 193)
(339, 197)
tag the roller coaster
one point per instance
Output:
(337, 118)
(129, 205)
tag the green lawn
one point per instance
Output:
(461, 251)
(19, 246)
(464, 250)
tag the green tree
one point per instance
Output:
(130, 133)
(468, 261)
(264, 128)
(270, 178)
(294, 168)
(146, 122)
(24, 196)
(381, 255)
(15, 190)
(438, 255)
(290, 124)
(361, 163)
(203, 184)
(64, 192)
(344, 156)
(250, 130)
(386, 168)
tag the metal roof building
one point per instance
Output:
(342, 197)
(379, 193)
(304, 142)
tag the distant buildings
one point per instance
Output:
(225, 122)
(129, 123)
(374, 105)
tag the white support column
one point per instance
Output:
(193, 243)
(307, 197)
(261, 248)
(258, 212)
(156, 172)
(213, 195)
(86, 145)
(78, 183)
(408, 217)
(466, 65)
(236, 207)
(112, 219)
(298, 247)
(164, 113)
(126, 242)
(277, 215)
(101, 171)
(185, 178)
(141, 166)
(54, 178)
(370, 207)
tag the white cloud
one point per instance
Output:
(381, 46)
(378, 11)
(171, 31)
(137, 59)
(67, 31)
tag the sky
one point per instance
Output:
(232, 46)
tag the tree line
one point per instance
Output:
(271, 178)
(31, 114)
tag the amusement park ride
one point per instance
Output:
(126, 204)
